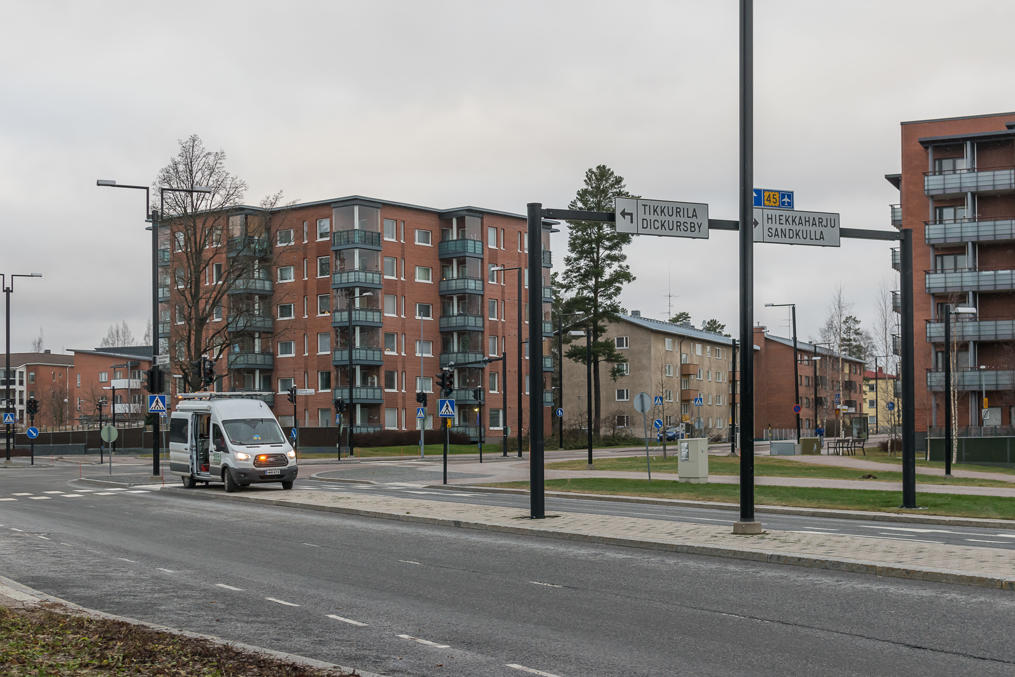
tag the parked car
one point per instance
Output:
(671, 434)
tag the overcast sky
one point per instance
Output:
(494, 104)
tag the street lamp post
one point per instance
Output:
(948, 311)
(349, 341)
(519, 269)
(8, 289)
(796, 374)
(153, 216)
(587, 331)
(983, 400)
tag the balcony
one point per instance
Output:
(547, 329)
(896, 344)
(364, 317)
(251, 360)
(460, 285)
(689, 369)
(360, 394)
(688, 395)
(959, 181)
(461, 323)
(464, 396)
(547, 363)
(896, 259)
(970, 230)
(163, 257)
(163, 294)
(547, 294)
(547, 259)
(897, 301)
(248, 246)
(896, 215)
(547, 398)
(973, 330)
(163, 329)
(452, 249)
(356, 278)
(972, 380)
(250, 323)
(252, 285)
(340, 358)
(460, 358)
(970, 280)
(356, 239)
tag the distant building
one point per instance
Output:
(114, 376)
(677, 363)
(45, 377)
(880, 389)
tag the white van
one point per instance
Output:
(229, 438)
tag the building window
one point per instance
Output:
(699, 374)
(621, 342)
(390, 230)
(216, 313)
(718, 398)
(668, 343)
(949, 164)
(424, 384)
(718, 353)
(668, 395)
(103, 377)
(286, 311)
(390, 343)
(323, 343)
(323, 266)
(284, 237)
(390, 267)
(390, 305)
(286, 348)
(323, 228)
(623, 394)
(491, 237)
(496, 419)
(391, 416)
(424, 237)
(494, 382)
(491, 305)
(285, 274)
(623, 421)
(424, 311)
(79, 380)
(179, 240)
(491, 273)
(284, 384)
(669, 370)
(492, 344)
(390, 380)
(683, 358)
(323, 304)
(624, 368)
(949, 262)
(424, 348)
(697, 349)
(216, 273)
(424, 274)
(324, 380)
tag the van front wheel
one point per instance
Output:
(287, 484)
(188, 482)
(231, 484)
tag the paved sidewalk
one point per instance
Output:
(884, 557)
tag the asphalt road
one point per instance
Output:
(407, 599)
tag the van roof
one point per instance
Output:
(228, 408)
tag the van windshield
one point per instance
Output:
(253, 431)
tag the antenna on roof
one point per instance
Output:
(669, 297)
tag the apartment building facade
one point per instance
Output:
(45, 377)
(675, 362)
(881, 400)
(110, 379)
(957, 196)
(367, 300)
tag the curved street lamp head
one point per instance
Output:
(105, 182)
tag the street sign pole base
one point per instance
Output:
(752, 528)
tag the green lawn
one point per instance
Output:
(883, 457)
(770, 467)
(411, 450)
(839, 499)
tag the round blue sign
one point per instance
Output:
(796, 408)
(32, 433)
(890, 405)
(560, 412)
(292, 433)
(658, 423)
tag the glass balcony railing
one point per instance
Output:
(248, 246)
(547, 363)
(163, 329)
(460, 358)
(970, 280)
(973, 330)
(163, 257)
(896, 215)
(460, 285)
(896, 259)
(252, 285)
(547, 329)
(461, 323)
(547, 294)
(250, 323)
(956, 182)
(355, 239)
(464, 396)
(449, 249)
(547, 259)
(897, 301)
(973, 379)
(359, 356)
(471, 431)
(896, 344)
(251, 360)
(369, 317)
(970, 230)
(547, 398)
(163, 294)
(360, 394)
(356, 278)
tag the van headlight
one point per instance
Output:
(292, 454)
(242, 456)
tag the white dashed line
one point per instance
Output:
(126, 560)
(425, 641)
(84, 491)
(531, 671)
(39, 498)
(983, 540)
(311, 545)
(21, 493)
(346, 620)
(820, 528)
(228, 587)
(67, 544)
(15, 529)
(1005, 535)
(411, 561)
(279, 601)
(104, 493)
(8, 499)
(168, 571)
(547, 585)
(72, 496)
(419, 492)
(116, 489)
(46, 538)
(52, 492)
(138, 491)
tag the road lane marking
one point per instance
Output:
(983, 540)
(105, 493)
(127, 560)
(138, 491)
(22, 493)
(346, 620)
(548, 585)
(52, 492)
(311, 545)
(67, 544)
(820, 528)
(84, 491)
(1005, 535)
(410, 561)
(46, 538)
(116, 489)
(15, 529)
(280, 601)
(228, 587)
(8, 499)
(72, 496)
(425, 641)
(168, 571)
(421, 492)
(531, 671)
(39, 498)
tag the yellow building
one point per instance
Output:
(877, 394)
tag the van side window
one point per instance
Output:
(178, 430)
(218, 440)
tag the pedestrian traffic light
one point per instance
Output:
(153, 380)
(207, 371)
(421, 398)
(340, 405)
(32, 406)
(292, 394)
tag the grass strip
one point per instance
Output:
(41, 641)
(772, 467)
(956, 505)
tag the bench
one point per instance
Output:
(847, 445)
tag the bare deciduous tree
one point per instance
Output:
(37, 342)
(118, 336)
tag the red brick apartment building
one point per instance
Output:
(820, 380)
(957, 189)
(45, 377)
(113, 376)
(410, 289)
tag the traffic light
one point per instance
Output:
(477, 394)
(446, 381)
(421, 398)
(207, 371)
(292, 394)
(195, 369)
(340, 405)
(32, 406)
(153, 380)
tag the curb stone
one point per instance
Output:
(29, 597)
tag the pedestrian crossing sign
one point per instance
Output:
(420, 413)
(8, 419)
(446, 408)
(157, 404)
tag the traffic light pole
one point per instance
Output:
(33, 406)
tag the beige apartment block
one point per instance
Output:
(675, 362)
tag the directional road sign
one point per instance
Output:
(658, 423)
(446, 408)
(784, 226)
(657, 400)
(162, 360)
(156, 404)
(780, 199)
(890, 405)
(661, 217)
(8, 418)
(698, 401)
(305, 391)
(420, 413)
(642, 403)
(32, 433)
(559, 413)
